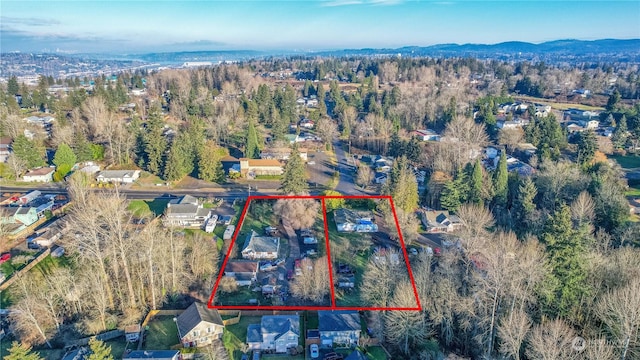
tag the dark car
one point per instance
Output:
(245, 357)
(333, 356)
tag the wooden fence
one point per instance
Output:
(106, 336)
(28, 267)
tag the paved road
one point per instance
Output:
(347, 182)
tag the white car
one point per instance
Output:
(311, 162)
(313, 351)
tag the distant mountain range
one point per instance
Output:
(611, 49)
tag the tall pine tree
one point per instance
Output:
(252, 147)
(19, 351)
(475, 191)
(99, 350)
(294, 179)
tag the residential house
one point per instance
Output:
(254, 167)
(274, 333)
(17, 219)
(282, 154)
(118, 176)
(528, 149)
(5, 149)
(589, 124)
(132, 332)
(260, 247)
(51, 233)
(346, 281)
(40, 120)
(186, 212)
(312, 102)
(44, 174)
(380, 178)
(542, 110)
(153, 355)
(427, 135)
(339, 328)
(244, 272)
(199, 326)
(307, 123)
(437, 221)
(29, 197)
(349, 221)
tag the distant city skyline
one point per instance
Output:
(185, 25)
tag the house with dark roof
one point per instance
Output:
(260, 247)
(339, 328)
(244, 272)
(153, 355)
(274, 333)
(199, 326)
(349, 221)
(186, 211)
(16, 219)
(440, 221)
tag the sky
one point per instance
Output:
(137, 26)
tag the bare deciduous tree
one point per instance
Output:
(620, 311)
(405, 329)
(513, 330)
(551, 340)
(299, 213)
(380, 279)
(313, 282)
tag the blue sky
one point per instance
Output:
(144, 25)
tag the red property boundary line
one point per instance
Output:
(326, 228)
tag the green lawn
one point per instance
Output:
(119, 346)
(162, 333)
(143, 208)
(633, 191)
(628, 162)
(376, 353)
(235, 336)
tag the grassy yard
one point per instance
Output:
(235, 336)
(142, 208)
(162, 334)
(633, 191)
(558, 105)
(240, 297)
(628, 161)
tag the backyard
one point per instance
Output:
(143, 208)
(627, 161)
(161, 334)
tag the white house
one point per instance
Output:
(118, 176)
(199, 325)
(44, 174)
(427, 135)
(260, 247)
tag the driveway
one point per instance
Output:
(347, 183)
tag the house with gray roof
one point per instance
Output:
(186, 211)
(260, 247)
(118, 176)
(440, 221)
(339, 328)
(274, 333)
(350, 220)
(199, 326)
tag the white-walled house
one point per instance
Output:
(118, 176)
(44, 174)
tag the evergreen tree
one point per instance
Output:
(567, 283)
(13, 87)
(64, 159)
(19, 351)
(450, 198)
(524, 206)
(99, 350)
(209, 162)
(252, 147)
(155, 144)
(612, 103)
(402, 185)
(28, 151)
(180, 160)
(587, 146)
(475, 191)
(501, 181)
(620, 134)
(294, 179)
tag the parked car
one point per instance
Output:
(278, 262)
(267, 266)
(314, 352)
(5, 257)
(412, 251)
(289, 274)
(333, 356)
(245, 357)
(33, 245)
(256, 355)
(311, 162)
